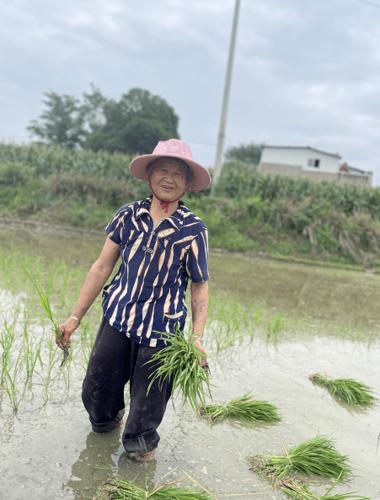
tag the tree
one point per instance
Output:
(134, 124)
(62, 121)
(247, 153)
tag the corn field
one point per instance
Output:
(275, 215)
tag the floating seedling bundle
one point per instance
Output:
(316, 456)
(347, 390)
(126, 490)
(244, 409)
(180, 362)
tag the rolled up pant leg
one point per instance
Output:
(146, 411)
(107, 374)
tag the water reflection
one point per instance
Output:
(102, 459)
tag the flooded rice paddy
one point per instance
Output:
(272, 324)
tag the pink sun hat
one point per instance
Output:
(174, 148)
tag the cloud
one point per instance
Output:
(305, 72)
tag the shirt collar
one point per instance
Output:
(176, 219)
(143, 207)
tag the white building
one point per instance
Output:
(311, 163)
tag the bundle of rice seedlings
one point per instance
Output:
(126, 490)
(348, 390)
(46, 306)
(243, 409)
(180, 362)
(316, 456)
(299, 491)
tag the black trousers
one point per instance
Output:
(115, 360)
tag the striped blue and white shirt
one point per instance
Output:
(147, 294)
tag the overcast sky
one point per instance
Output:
(307, 72)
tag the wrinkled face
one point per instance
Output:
(168, 180)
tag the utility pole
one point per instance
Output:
(226, 95)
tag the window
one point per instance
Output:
(313, 162)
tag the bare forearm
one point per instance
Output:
(199, 307)
(91, 287)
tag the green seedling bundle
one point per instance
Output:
(317, 456)
(244, 409)
(346, 390)
(299, 491)
(127, 490)
(180, 362)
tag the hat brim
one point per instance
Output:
(201, 177)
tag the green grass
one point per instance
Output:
(244, 409)
(346, 390)
(126, 490)
(179, 362)
(316, 456)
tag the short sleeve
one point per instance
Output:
(117, 227)
(197, 258)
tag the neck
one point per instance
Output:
(161, 209)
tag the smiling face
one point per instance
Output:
(168, 179)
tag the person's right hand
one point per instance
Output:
(67, 328)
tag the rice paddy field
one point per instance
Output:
(272, 326)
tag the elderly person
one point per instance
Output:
(162, 245)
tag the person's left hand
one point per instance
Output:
(198, 344)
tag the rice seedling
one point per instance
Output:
(45, 303)
(244, 409)
(233, 321)
(223, 339)
(126, 490)
(87, 338)
(7, 337)
(316, 456)
(346, 390)
(49, 368)
(12, 386)
(31, 353)
(275, 327)
(299, 491)
(179, 362)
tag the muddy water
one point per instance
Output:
(332, 323)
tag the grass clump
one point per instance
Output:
(180, 363)
(347, 390)
(243, 409)
(316, 456)
(299, 491)
(126, 490)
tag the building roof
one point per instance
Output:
(334, 155)
(359, 171)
